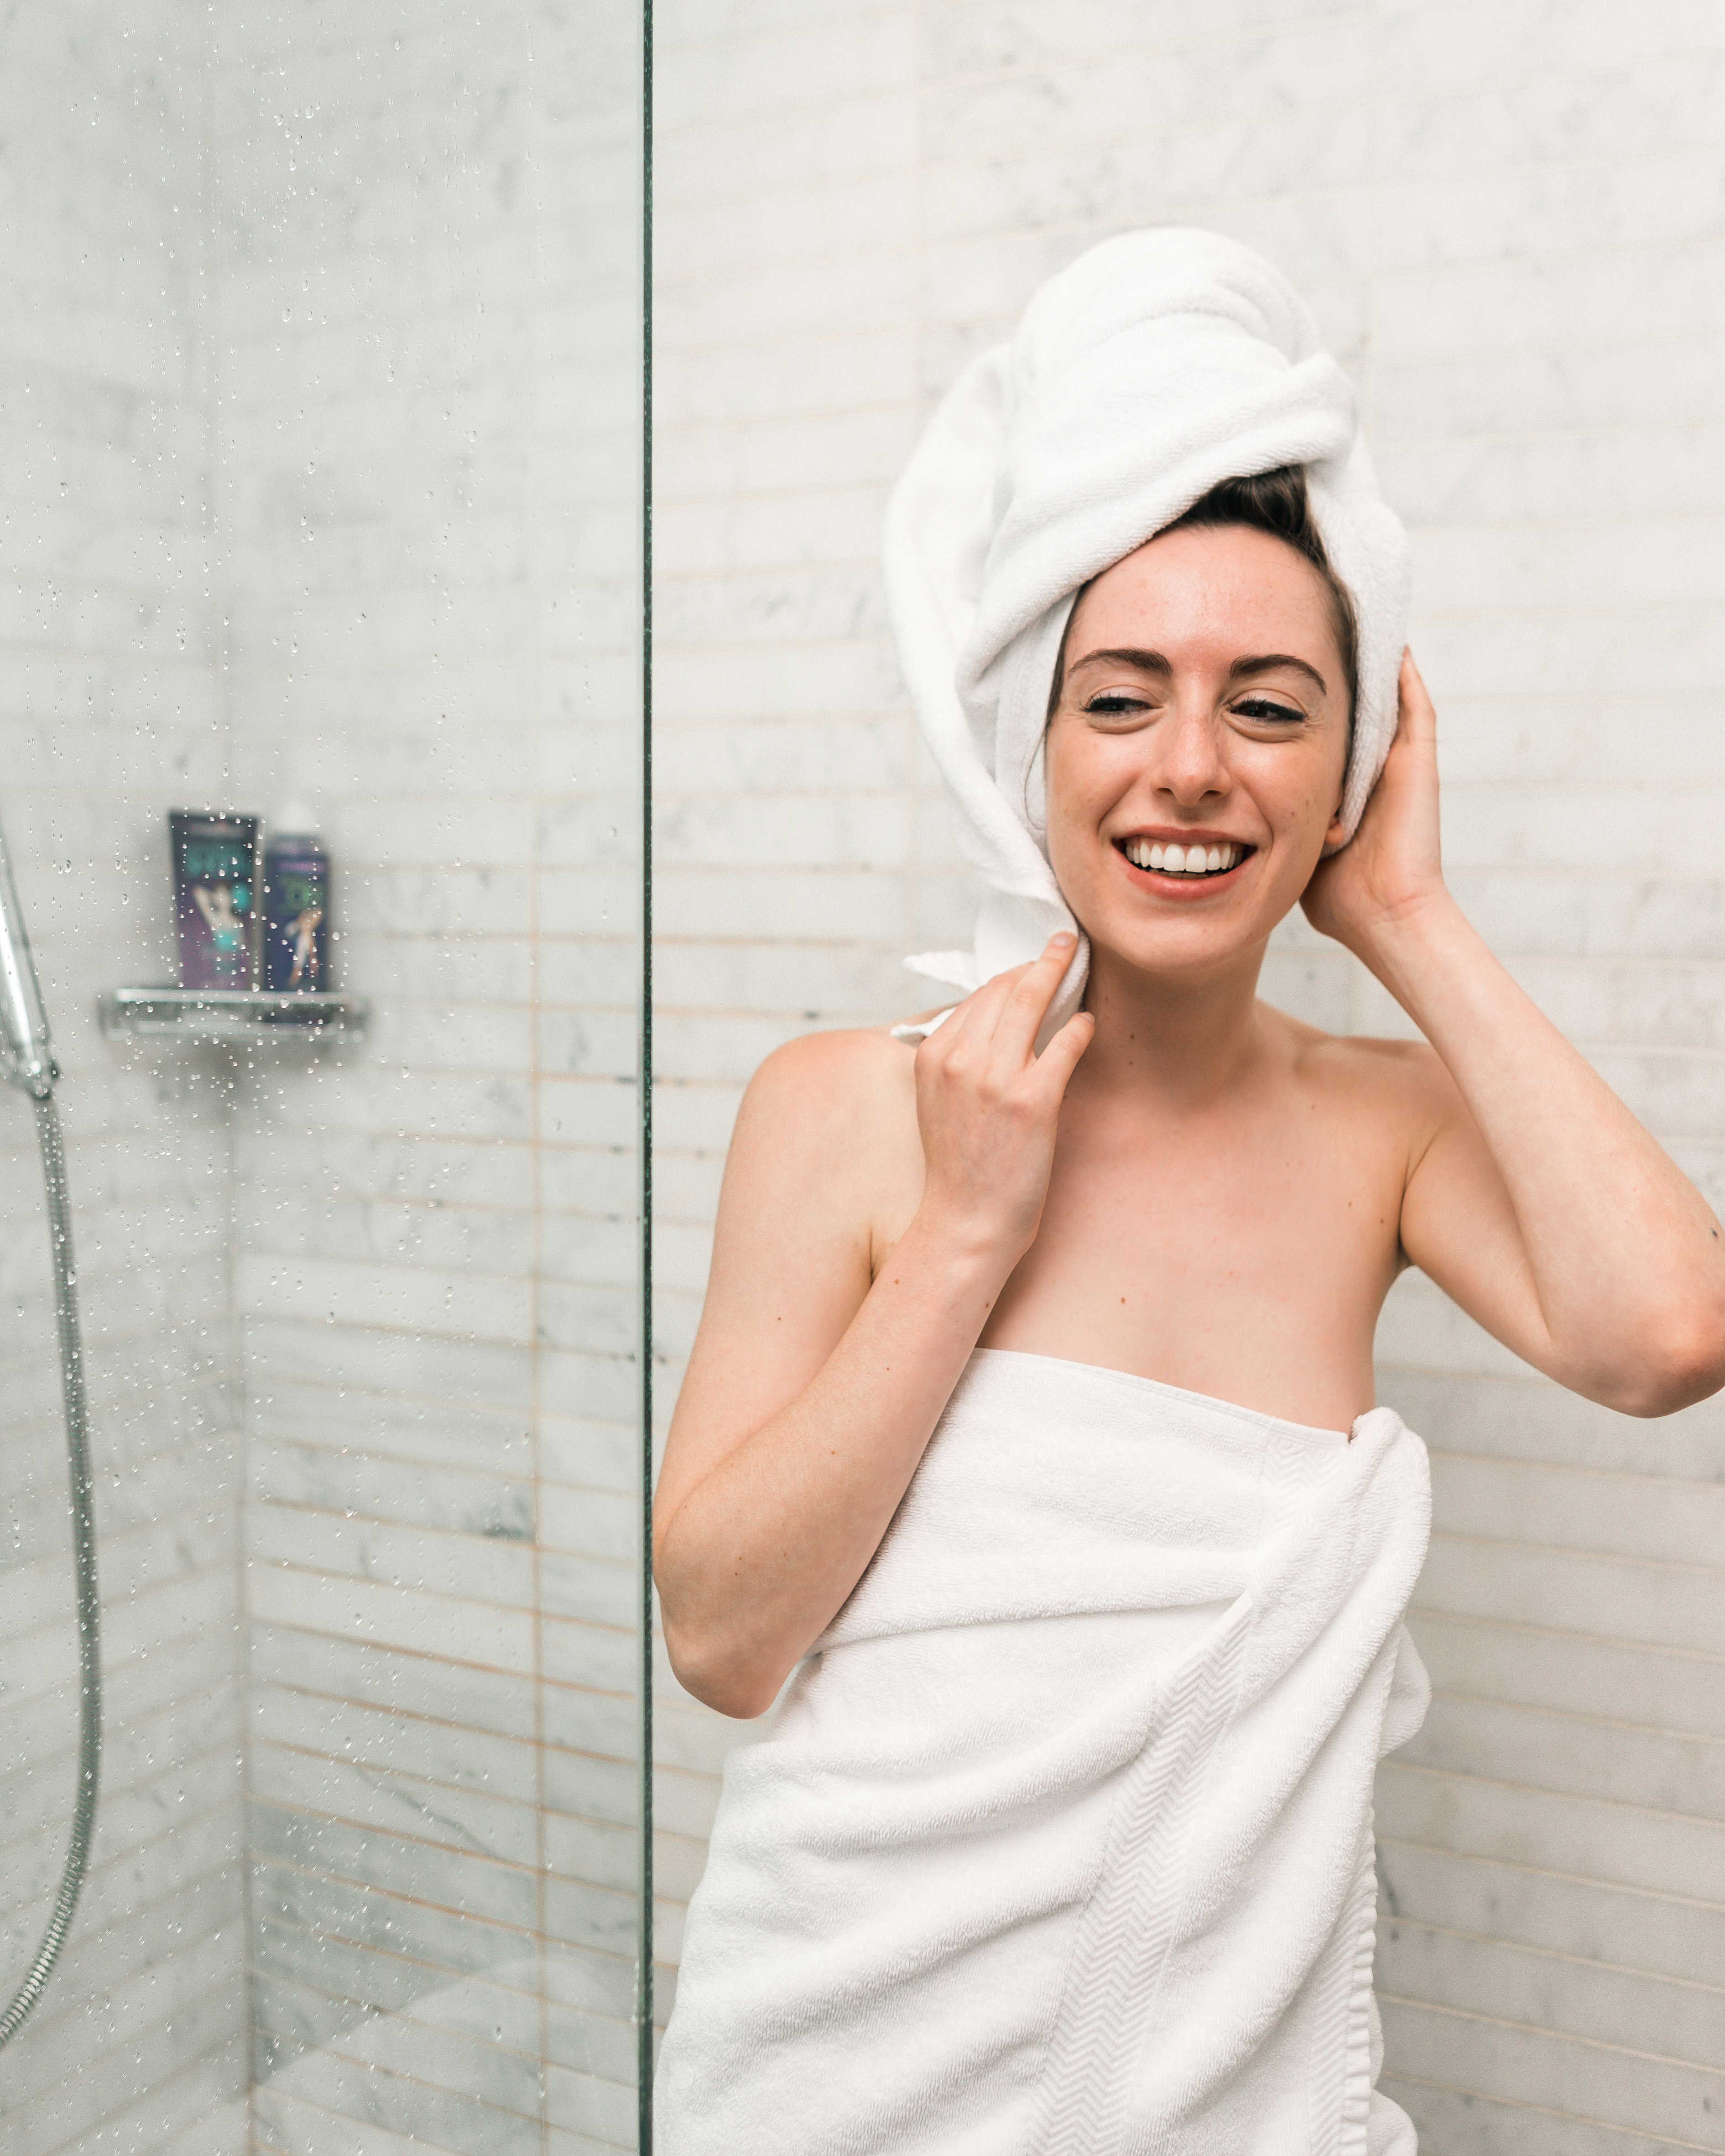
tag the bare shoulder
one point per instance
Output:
(839, 1105)
(1401, 1084)
(821, 1077)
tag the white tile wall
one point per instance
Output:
(1508, 220)
(111, 711)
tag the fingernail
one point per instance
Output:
(1061, 938)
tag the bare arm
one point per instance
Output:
(1539, 1202)
(813, 1391)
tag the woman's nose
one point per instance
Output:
(1188, 762)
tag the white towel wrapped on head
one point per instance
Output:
(1153, 368)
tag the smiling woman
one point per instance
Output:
(1256, 738)
(1031, 1418)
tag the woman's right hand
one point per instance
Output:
(988, 1106)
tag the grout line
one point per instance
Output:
(1543, 2111)
(1512, 1945)
(1545, 1871)
(1655, 1564)
(1547, 1796)
(1546, 1711)
(1520, 1626)
(1559, 2035)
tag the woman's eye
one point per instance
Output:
(1263, 707)
(1116, 706)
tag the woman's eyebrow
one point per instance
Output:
(1147, 662)
(1242, 669)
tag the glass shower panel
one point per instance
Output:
(111, 711)
(428, 354)
(322, 426)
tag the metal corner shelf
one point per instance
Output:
(230, 1014)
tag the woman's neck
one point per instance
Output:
(1184, 1039)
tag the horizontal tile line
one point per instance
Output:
(729, 122)
(128, 1921)
(1519, 1625)
(512, 1344)
(263, 1864)
(827, 569)
(380, 2014)
(367, 1766)
(1552, 1796)
(1581, 431)
(529, 1933)
(1076, 146)
(308, 1569)
(809, 490)
(1686, 1570)
(182, 2074)
(1545, 1871)
(441, 1661)
(381, 2072)
(399, 1837)
(1576, 1470)
(1533, 2110)
(1559, 1953)
(277, 1439)
(1573, 1715)
(367, 1763)
(678, 49)
(65, 1627)
(124, 1924)
(444, 1660)
(1535, 2028)
(672, 429)
(534, 1543)
(338, 1996)
(58, 1824)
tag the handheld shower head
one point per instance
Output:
(26, 1062)
(26, 1058)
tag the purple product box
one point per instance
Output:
(215, 892)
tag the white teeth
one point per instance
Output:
(1181, 861)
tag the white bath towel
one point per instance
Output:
(1152, 367)
(1060, 1844)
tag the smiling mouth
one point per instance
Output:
(1195, 860)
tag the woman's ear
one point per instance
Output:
(1336, 837)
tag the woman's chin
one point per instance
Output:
(1196, 931)
(1185, 950)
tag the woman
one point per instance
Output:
(1032, 1402)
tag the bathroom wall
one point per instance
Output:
(1509, 221)
(427, 342)
(111, 709)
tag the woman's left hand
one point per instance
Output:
(1392, 868)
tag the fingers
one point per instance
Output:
(995, 1028)
(1416, 715)
(1020, 1019)
(1060, 1059)
(974, 1018)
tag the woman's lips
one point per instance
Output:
(1181, 883)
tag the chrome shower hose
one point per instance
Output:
(89, 1736)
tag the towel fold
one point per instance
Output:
(1156, 365)
(1060, 1844)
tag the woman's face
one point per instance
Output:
(1204, 710)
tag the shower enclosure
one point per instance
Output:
(321, 464)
